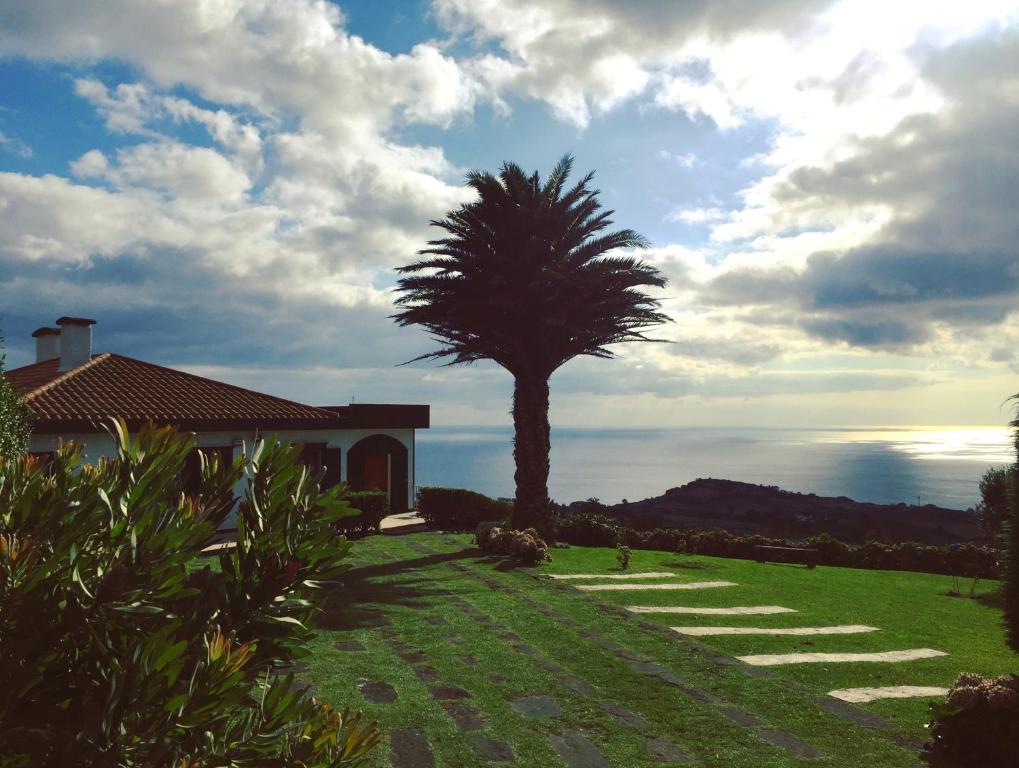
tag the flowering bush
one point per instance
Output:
(526, 546)
(976, 725)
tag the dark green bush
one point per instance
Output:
(457, 509)
(122, 646)
(994, 508)
(372, 506)
(976, 726)
(588, 529)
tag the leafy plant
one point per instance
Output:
(123, 646)
(15, 417)
(623, 556)
(522, 276)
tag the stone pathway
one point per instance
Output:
(409, 749)
(377, 692)
(840, 702)
(642, 587)
(577, 751)
(845, 629)
(889, 657)
(744, 610)
(609, 576)
(864, 695)
(578, 747)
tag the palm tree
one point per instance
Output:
(521, 277)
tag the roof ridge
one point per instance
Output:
(325, 413)
(68, 375)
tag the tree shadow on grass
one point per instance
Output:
(994, 599)
(364, 595)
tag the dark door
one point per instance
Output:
(376, 471)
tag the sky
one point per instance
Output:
(227, 186)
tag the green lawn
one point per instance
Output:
(621, 682)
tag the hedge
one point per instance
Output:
(588, 529)
(970, 560)
(373, 506)
(457, 509)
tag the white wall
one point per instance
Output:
(97, 446)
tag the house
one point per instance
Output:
(74, 393)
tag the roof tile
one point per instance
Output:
(113, 385)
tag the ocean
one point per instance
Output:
(936, 465)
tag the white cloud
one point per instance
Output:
(696, 215)
(304, 191)
(684, 160)
(14, 145)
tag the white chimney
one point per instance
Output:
(75, 341)
(47, 343)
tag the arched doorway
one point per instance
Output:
(380, 462)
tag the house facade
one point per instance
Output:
(73, 393)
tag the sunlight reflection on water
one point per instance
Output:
(989, 444)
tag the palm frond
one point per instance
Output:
(529, 275)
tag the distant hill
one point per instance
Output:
(747, 508)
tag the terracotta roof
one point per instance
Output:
(109, 385)
(29, 377)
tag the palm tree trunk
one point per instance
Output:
(531, 443)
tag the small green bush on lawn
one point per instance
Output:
(121, 646)
(457, 509)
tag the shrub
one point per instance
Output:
(457, 509)
(994, 508)
(623, 556)
(977, 725)
(526, 546)
(588, 529)
(372, 506)
(122, 646)
(968, 560)
(15, 417)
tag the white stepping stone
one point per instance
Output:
(615, 576)
(863, 695)
(741, 610)
(687, 585)
(774, 659)
(846, 629)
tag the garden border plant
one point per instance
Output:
(970, 560)
(122, 646)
